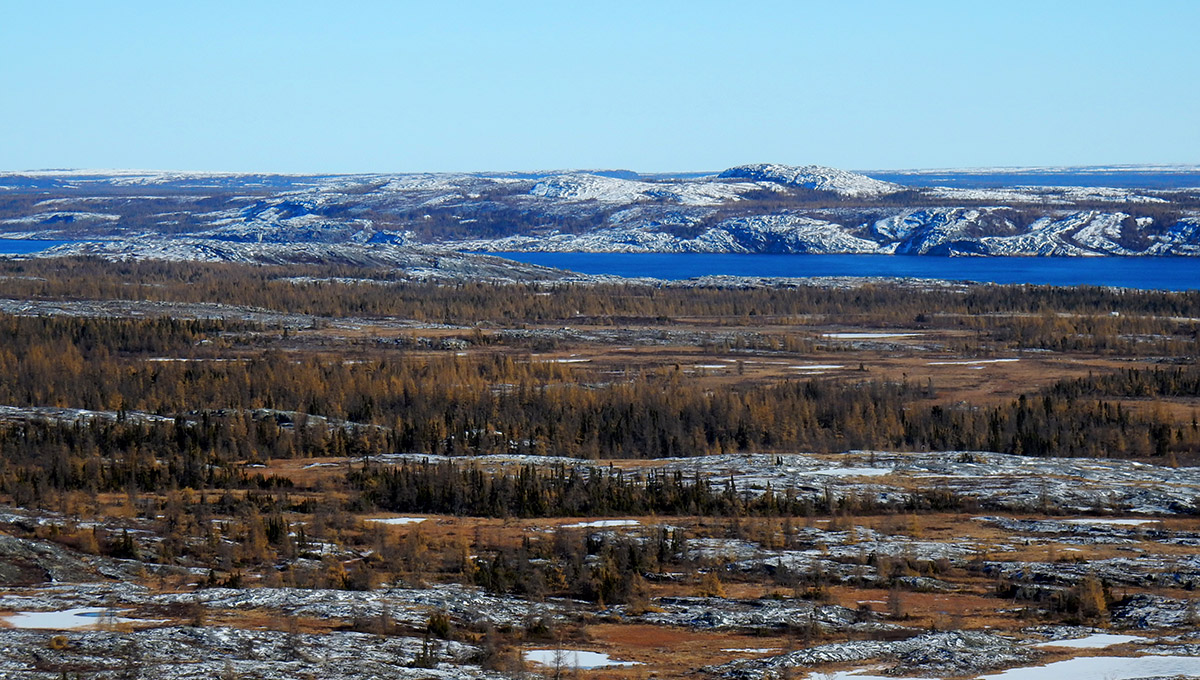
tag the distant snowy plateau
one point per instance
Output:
(414, 219)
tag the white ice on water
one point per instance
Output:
(572, 658)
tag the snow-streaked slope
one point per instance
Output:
(817, 177)
(750, 234)
(1183, 238)
(762, 208)
(417, 262)
(1044, 195)
(1080, 233)
(583, 187)
(588, 187)
(929, 231)
(792, 234)
(61, 216)
(270, 227)
(921, 232)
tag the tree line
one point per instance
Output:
(274, 406)
(331, 291)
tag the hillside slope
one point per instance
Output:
(761, 208)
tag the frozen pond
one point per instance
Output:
(602, 523)
(1114, 522)
(867, 336)
(1080, 668)
(1106, 668)
(63, 620)
(973, 362)
(855, 472)
(1098, 641)
(395, 520)
(571, 658)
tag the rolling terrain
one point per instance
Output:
(288, 427)
(762, 208)
(328, 471)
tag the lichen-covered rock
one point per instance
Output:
(950, 653)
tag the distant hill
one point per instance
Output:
(759, 208)
(1116, 176)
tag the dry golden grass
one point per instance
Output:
(671, 652)
(677, 652)
(910, 359)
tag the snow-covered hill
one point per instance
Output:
(816, 177)
(585, 187)
(763, 208)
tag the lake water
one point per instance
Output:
(12, 246)
(1154, 273)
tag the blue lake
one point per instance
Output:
(12, 246)
(1154, 273)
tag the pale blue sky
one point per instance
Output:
(648, 86)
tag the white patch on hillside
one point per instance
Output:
(817, 177)
(588, 187)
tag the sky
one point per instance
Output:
(323, 87)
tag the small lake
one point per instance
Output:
(13, 246)
(1151, 273)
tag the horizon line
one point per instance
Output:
(1165, 167)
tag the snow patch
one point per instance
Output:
(1097, 641)
(69, 619)
(572, 658)
(1105, 668)
(973, 362)
(395, 520)
(856, 472)
(1114, 522)
(867, 336)
(602, 523)
(817, 177)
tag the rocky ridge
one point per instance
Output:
(400, 220)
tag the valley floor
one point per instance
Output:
(200, 477)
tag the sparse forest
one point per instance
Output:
(234, 427)
(266, 403)
(211, 393)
